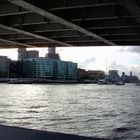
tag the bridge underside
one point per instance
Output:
(49, 23)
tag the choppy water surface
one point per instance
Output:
(91, 110)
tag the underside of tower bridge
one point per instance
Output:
(67, 23)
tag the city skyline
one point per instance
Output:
(98, 58)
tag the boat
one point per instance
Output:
(19, 81)
(137, 84)
(119, 83)
(101, 82)
(104, 82)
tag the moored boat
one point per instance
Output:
(119, 83)
(137, 84)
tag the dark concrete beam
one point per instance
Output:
(77, 44)
(49, 29)
(126, 40)
(32, 35)
(70, 37)
(24, 19)
(79, 38)
(99, 5)
(132, 6)
(63, 4)
(51, 16)
(38, 24)
(109, 19)
(59, 28)
(17, 44)
(87, 13)
(8, 9)
(25, 39)
(15, 13)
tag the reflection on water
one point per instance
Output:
(89, 110)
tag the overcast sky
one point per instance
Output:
(95, 58)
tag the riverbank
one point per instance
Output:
(42, 81)
(15, 133)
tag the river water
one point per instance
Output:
(106, 111)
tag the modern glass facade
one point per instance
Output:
(38, 68)
(72, 71)
(49, 69)
(61, 70)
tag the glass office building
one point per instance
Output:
(72, 71)
(38, 68)
(49, 69)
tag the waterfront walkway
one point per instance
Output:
(14, 133)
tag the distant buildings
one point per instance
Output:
(90, 74)
(4, 66)
(30, 65)
(96, 74)
(82, 74)
(129, 78)
(112, 76)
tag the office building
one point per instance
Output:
(72, 70)
(21, 53)
(52, 53)
(4, 66)
(32, 54)
(47, 68)
(61, 70)
(24, 54)
(82, 74)
(96, 74)
(38, 68)
(66, 70)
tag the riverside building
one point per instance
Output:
(62, 71)
(4, 66)
(24, 54)
(72, 70)
(38, 68)
(48, 68)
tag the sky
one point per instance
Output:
(123, 59)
